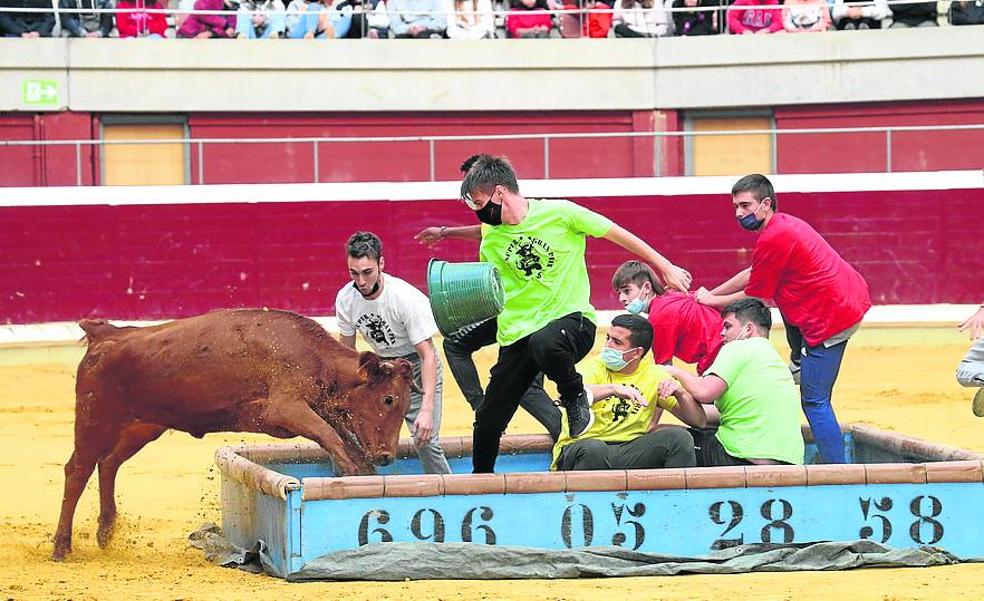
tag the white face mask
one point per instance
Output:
(745, 334)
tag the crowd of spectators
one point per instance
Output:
(464, 19)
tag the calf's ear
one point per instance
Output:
(368, 365)
(405, 369)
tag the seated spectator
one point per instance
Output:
(682, 327)
(970, 372)
(762, 16)
(209, 26)
(27, 24)
(260, 19)
(805, 15)
(528, 19)
(640, 19)
(418, 18)
(967, 12)
(626, 405)
(317, 20)
(470, 20)
(859, 14)
(369, 18)
(756, 401)
(140, 24)
(86, 24)
(918, 14)
(698, 22)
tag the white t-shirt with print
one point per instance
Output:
(392, 323)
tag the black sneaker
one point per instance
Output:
(579, 414)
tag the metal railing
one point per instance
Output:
(659, 139)
(557, 8)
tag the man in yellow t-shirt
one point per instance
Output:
(627, 406)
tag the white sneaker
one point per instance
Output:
(979, 403)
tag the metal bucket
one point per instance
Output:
(463, 294)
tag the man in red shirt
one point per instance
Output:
(815, 289)
(682, 327)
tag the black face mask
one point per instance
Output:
(374, 290)
(491, 213)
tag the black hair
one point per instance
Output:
(750, 310)
(640, 331)
(365, 244)
(759, 186)
(483, 172)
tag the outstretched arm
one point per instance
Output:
(736, 283)
(675, 277)
(434, 234)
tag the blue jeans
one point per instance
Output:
(819, 372)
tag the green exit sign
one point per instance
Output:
(39, 92)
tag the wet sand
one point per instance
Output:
(898, 379)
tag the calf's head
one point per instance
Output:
(372, 411)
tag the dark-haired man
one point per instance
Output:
(815, 289)
(752, 390)
(682, 327)
(548, 323)
(627, 407)
(396, 320)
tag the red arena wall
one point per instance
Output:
(147, 253)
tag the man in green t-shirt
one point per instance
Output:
(547, 323)
(627, 406)
(753, 391)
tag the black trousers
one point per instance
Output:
(553, 349)
(709, 452)
(459, 351)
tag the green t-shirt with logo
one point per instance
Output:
(619, 420)
(760, 410)
(541, 261)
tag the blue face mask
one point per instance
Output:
(750, 222)
(613, 358)
(636, 305)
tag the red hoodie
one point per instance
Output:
(139, 24)
(754, 19)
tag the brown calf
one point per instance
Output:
(272, 372)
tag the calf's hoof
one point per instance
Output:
(104, 535)
(61, 550)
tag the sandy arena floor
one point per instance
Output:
(897, 379)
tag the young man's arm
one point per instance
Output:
(434, 234)
(736, 283)
(675, 277)
(704, 389)
(603, 391)
(726, 293)
(348, 341)
(423, 426)
(688, 410)
(974, 323)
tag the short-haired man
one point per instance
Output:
(970, 372)
(682, 327)
(396, 320)
(548, 323)
(753, 392)
(627, 407)
(815, 289)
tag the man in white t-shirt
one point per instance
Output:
(396, 320)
